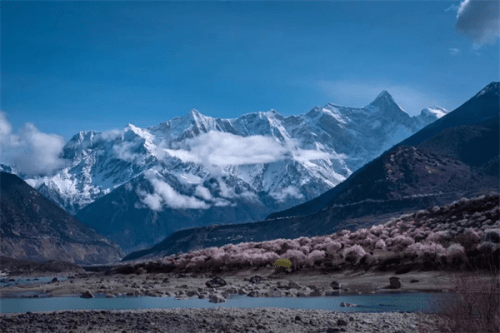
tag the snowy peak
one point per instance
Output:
(384, 100)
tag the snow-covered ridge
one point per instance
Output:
(288, 160)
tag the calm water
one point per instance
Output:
(411, 302)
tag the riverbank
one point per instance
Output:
(217, 320)
(303, 283)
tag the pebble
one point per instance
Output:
(213, 320)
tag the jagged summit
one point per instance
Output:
(383, 99)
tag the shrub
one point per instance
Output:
(380, 244)
(290, 244)
(274, 245)
(354, 253)
(304, 240)
(436, 237)
(479, 307)
(298, 258)
(427, 250)
(455, 254)
(315, 257)
(305, 249)
(333, 247)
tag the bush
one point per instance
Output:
(380, 244)
(333, 247)
(315, 257)
(427, 250)
(354, 253)
(479, 307)
(455, 254)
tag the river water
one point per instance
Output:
(407, 302)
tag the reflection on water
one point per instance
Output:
(409, 302)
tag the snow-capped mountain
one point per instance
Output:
(260, 159)
(345, 138)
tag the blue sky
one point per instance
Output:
(70, 66)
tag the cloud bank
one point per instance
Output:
(164, 194)
(218, 149)
(30, 151)
(480, 20)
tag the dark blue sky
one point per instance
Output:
(70, 66)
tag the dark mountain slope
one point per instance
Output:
(458, 161)
(469, 134)
(33, 227)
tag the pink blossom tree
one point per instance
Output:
(315, 257)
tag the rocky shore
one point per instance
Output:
(217, 320)
(255, 283)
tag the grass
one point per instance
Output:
(479, 308)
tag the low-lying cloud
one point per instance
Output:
(30, 151)
(480, 20)
(165, 195)
(218, 149)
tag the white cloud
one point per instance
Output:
(30, 151)
(203, 192)
(165, 195)
(290, 191)
(215, 150)
(454, 51)
(356, 93)
(480, 20)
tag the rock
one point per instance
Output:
(54, 280)
(184, 286)
(165, 280)
(341, 322)
(87, 294)
(192, 293)
(261, 327)
(242, 292)
(232, 291)
(414, 281)
(201, 296)
(332, 330)
(312, 287)
(336, 285)
(317, 293)
(215, 298)
(301, 294)
(110, 296)
(255, 279)
(292, 284)
(181, 297)
(297, 318)
(395, 282)
(216, 282)
(254, 294)
(275, 293)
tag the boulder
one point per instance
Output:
(292, 284)
(275, 293)
(414, 281)
(216, 282)
(254, 294)
(87, 294)
(216, 298)
(192, 293)
(395, 282)
(341, 322)
(255, 279)
(336, 285)
(242, 292)
(232, 291)
(317, 292)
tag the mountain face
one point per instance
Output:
(35, 228)
(138, 185)
(450, 161)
